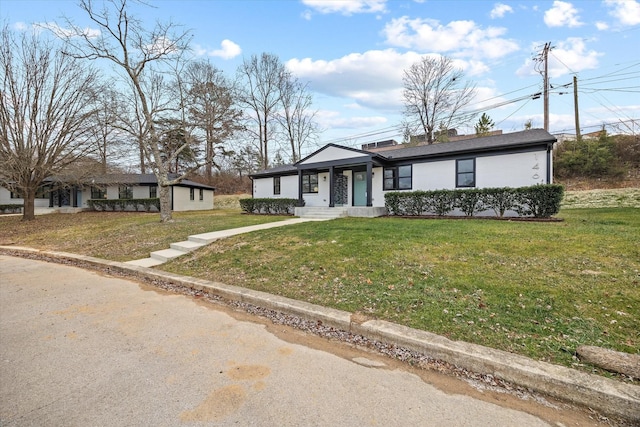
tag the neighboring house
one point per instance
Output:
(341, 176)
(186, 196)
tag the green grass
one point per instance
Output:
(118, 236)
(538, 289)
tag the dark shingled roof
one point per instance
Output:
(487, 143)
(526, 138)
(140, 179)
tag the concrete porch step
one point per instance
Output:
(186, 246)
(321, 212)
(166, 254)
(145, 262)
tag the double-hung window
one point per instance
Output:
(201, 195)
(125, 192)
(98, 193)
(397, 178)
(465, 173)
(192, 193)
(310, 183)
(153, 192)
(276, 185)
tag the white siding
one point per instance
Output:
(263, 188)
(182, 199)
(333, 153)
(512, 170)
(5, 199)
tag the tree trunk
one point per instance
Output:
(28, 212)
(142, 166)
(165, 203)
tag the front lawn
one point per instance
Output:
(538, 289)
(118, 236)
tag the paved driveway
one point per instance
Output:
(81, 349)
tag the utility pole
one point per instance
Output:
(545, 58)
(575, 107)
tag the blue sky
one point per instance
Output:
(353, 53)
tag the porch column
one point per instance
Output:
(369, 183)
(331, 184)
(300, 199)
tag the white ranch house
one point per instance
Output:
(186, 196)
(355, 181)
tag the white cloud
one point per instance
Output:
(465, 38)
(626, 11)
(329, 119)
(568, 56)
(347, 7)
(602, 26)
(228, 50)
(373, 78)
(20, 26)
(562, 14)
(67, 32)
(499, 10)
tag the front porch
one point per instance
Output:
(340, 212)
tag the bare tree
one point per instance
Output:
(45, 102)
(259, 93)
(143, 55)
(211, 108)
(107, 135)
(295, 116)
(433, 94)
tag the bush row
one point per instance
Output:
(9, 208)
(123, 204)
(269, 206)
(539, 201)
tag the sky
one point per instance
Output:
(352, 54)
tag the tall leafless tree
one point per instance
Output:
(46, 101)
(107, 136)
(259, 93)
(211, 108)
(143, 56)
(434, 94)
(295, 116)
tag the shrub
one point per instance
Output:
(470, 201)
(268, 206)
(11, 208)
(123, 204)
(540, 201)
(443, 201)
(499, 199)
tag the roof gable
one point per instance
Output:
(331, 152)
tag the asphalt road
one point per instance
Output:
(81, 349)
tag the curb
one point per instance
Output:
(607, 396)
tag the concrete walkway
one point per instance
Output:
(199, 240)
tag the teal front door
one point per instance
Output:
(359, 189)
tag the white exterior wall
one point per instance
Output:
(5, 199)
(377, 196)
(512, 170)
(182, 199)
(140, 192)
(434, 175)
(263, 188)
(321, 198)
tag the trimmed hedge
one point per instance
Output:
(269, 206)
(539, 201)
(124, 204)
(11, 208)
